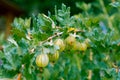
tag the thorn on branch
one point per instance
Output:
(32, 50)
(23, 66)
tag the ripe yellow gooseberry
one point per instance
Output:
(76, 46)
(54, 57)
(60, 43)
(42, 60)
(83, 47)
(87, 41)
(70, 40)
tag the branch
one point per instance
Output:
(57, 34)
(51, 37)
(79, 31)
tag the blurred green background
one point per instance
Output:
(9, 9)
(26, 8)
(43, 6)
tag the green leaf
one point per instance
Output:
(13, 41)
(63, 16)
(18, 34)
(1, 55)
(27, 23)
(115, 4)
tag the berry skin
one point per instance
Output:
(42, 60)
(60, 43)
(87, 41)
(54, 57)
(83, 47)
(70, 40)
(76, 46)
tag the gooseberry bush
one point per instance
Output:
(62, 47)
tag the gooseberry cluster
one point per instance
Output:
(69, 43)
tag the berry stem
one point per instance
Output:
(19, 76)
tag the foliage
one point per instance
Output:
(37, 6)
(36, 35)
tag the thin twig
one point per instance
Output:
(51, 37)
(79, 31)
(56, 34)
